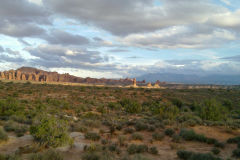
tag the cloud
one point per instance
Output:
(232, 58)
(63, 57)
(136, 16)
(20, 30)
(65, 38)
(181, 37)
(20, 18)
(1, 49)
(118, 50)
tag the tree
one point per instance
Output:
(50, 132)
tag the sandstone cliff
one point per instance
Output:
(33, 74)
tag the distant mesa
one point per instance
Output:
(37, 75)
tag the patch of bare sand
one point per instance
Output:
(14, 143)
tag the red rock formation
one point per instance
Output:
(23, 77)
(134, 82)
(30, 77)
(149, 84)
(18, 76)
(3, 75)
(32, 74)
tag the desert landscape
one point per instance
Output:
(119, 80)
(55, 121)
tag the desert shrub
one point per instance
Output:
(91, 156)
(169, 132)
(91, 115)
(49, 131)
(168, 111)
(176, 138)
(157, 136)
(140, 126)
(10, 157)
(113, 148)
(3, 135)
(177, 102)
(104, 141)
(151, 128)
(131, 106)
(234, 140)
(114, 106)
(98, 156)
(236, 153)
(137, 136)
(128, 130)
(133, 149)
(153, 150)
(219, 144)
(92, 148)
(189, 119)
(211, 110)
(19, 129)
(136, 157)
(48, 155)
(187, 155)
(190, 135)
(92, 136)
(215, 151)
(10, 106)
(121, 140)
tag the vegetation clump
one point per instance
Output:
(92, 136)
(3, 135)
(51, 132)
(187, 155)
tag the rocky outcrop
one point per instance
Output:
(134, 82)
(149, 85)
(33, 74)
(2, 75)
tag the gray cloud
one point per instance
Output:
(20, 30)
(118, 50)
(125, 17)
(232, 58)
(65, 38)
(1, 49)
(19, 18)
(63, 57)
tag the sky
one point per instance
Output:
(121, 38)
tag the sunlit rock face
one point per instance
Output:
(33, 74)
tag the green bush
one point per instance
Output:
(19, 129)
(168, 111)
(9, 157)
(177, 102)
(128, 130)
(211, 110)
(92, 136)
(234, 140)
(3, 135)
(133, 149)
(131, 106)
(50, 132)
(91, 156)
(140, 126)
(137, 136)
(169, 132)
(48, 155)
(190, 135)
(236, 153)
(189, 119)
(187, 155)
(215, 151)
(157, 136)
(153, 150)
